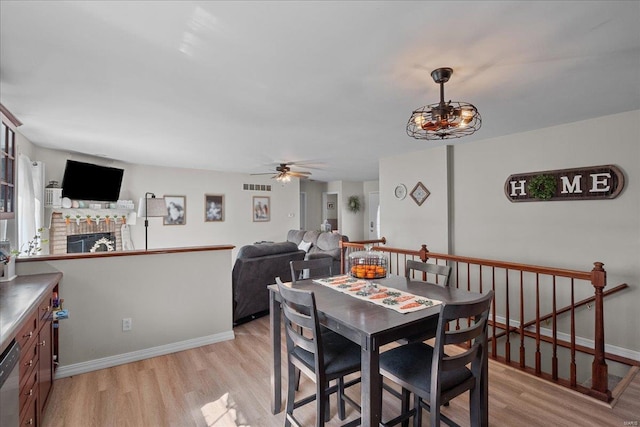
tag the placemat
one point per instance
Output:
(376, 293)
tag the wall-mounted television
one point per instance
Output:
(86, 181)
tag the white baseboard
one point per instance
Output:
(134, 356)
(608, 348)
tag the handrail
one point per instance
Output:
(566, 279)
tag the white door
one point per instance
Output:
(374, 206)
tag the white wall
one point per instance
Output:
(176, 301)
(237, 229)
(403, 222)
(568, 234)
(351, 223)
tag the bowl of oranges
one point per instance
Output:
(367, 265)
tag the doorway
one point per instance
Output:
(330, 210)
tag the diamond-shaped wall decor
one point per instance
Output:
(419, 193)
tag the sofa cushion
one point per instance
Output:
(312, 236)
(264, 249)
(296, 236)
(328, 243)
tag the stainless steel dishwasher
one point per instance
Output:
(9, 386)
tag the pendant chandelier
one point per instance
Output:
(444, 120)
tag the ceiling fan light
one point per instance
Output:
(444, 120)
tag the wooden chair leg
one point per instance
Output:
(475, 407)
(405, 401)
(322, 407)
(417, 419)
(340, 395)
(291, 394)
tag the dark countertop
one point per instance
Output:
(18, 297)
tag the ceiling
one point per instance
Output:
(242, 86)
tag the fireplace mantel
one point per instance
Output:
(80, 214)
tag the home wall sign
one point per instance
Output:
(586, 183)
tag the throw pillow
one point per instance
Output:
(304, 246)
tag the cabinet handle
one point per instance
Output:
(47, 308)
(29, 335)
(29, 423)
(43, 343)
(29, 363)
(29, 393)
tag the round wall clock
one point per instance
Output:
(400, 192)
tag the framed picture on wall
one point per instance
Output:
(261, 209)
(213, 207)
(331, 206)
(176, 210)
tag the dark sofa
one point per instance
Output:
(258, 265)
(255, 268)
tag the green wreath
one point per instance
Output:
(353, 203)
(542, 187)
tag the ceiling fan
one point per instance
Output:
(284, 173)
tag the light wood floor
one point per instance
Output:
(227, 384)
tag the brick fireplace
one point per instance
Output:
(61, 229)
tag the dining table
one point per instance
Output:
(371, 326)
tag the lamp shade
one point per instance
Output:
(155, 207)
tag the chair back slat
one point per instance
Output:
(438, 270)
(457, 361)
(311, 268)
(465, 334)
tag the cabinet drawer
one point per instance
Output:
(45, 309)
(28, 360)
(30, 415)
(28, 331)
(29, 390)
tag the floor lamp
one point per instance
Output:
(150, 206)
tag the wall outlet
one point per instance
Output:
(126, 324)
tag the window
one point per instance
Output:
(7, 172)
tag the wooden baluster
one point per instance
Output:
(424, 253)
(538, 355)
(573, 337)
(522, 360)
(480, 278)
(599, 370)
(507, 345)
(554, 357)
(494, 341)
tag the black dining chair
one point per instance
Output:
(311, 268)
(435, 377)
(323, 357)
(441, 272)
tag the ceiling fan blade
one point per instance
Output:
(266, 173)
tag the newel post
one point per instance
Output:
(599, 371)
(343, 252)
(424, 253)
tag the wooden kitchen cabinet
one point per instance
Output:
(37, 365)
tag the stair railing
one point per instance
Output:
(518, 288)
